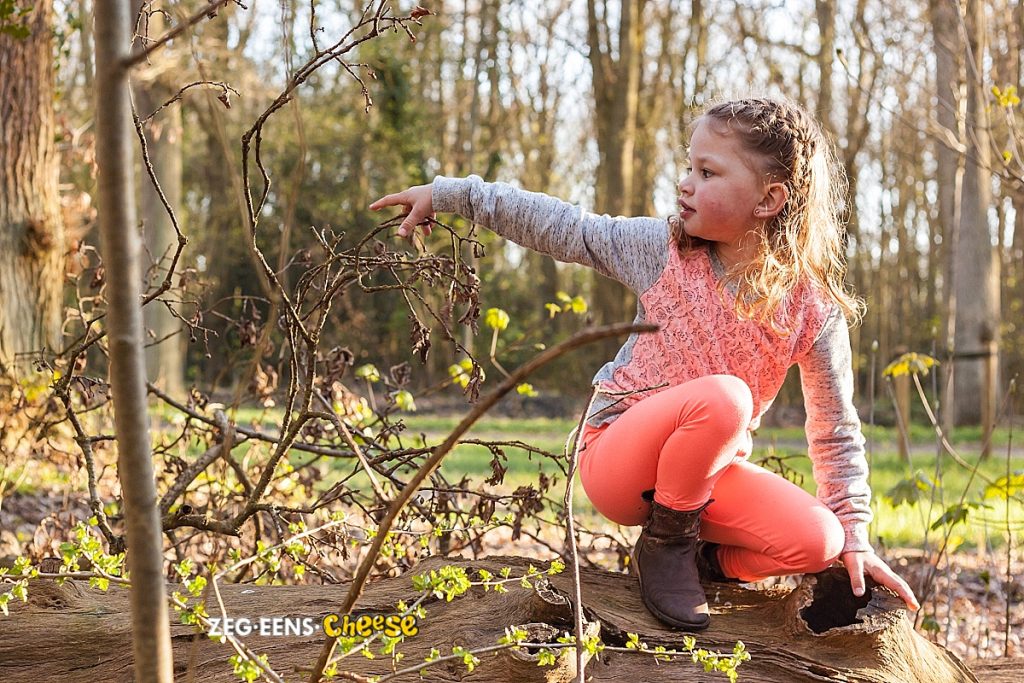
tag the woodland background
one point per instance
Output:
(304, 364)
(588, 101)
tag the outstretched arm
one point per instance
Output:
(631, 250)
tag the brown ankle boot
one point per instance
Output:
(665, 562)
(708, 566)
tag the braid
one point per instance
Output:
(804, 241)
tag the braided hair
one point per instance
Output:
(804, 242)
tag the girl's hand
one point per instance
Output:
(418, 202)
(867, 562)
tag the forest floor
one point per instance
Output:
(973, 596)
(977, 589)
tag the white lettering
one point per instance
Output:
(263, 626)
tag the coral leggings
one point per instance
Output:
(689, 443)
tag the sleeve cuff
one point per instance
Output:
(857, 539)
(446, 194)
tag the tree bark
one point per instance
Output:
(616, 83)
(31, 230)
(825, 13)
(121, 257)
(817, 632)
(949, 161)
(165, 357)
(976, 271)
(165, 353)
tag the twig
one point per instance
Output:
(570, 538)
(1009, 535)
(347, 435)
(224, 89)
(580, 339)
(207, 12)
(181, 483)
(291, 539)
(84, 442)
(930, 577)
(940, 433)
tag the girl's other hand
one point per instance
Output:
(418, 202)
(860, 563)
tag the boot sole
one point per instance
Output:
(661, 616)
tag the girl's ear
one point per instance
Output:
(775, 196)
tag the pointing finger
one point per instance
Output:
(387, 200)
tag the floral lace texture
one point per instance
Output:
(701, 335)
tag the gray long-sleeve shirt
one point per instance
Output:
(700, 334)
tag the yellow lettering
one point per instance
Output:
(392, 626)
(363, 626)
(409, 626)
(378, 622)
(331, 626)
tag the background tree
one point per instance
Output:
(975, 269)
(165, 352)
(31, 230)
(616, 52)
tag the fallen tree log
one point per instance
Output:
(816, 632)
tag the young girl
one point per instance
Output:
(746, 281)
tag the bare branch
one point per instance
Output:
(207, 12)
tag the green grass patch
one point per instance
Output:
(895, 525)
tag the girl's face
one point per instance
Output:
(723, 197)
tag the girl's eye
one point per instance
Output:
(706, 173)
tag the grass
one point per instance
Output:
(894, 525)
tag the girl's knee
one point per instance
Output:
(728, 397)
(817, 551)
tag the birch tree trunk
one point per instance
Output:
(31, 231)
(121, 253)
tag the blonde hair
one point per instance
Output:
(804, 242)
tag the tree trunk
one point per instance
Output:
(652, 112)
(165, 359)
(976, 272)
(165, 355)
(825, 12)
(616, 83)
(121, 257)
(947, 86)
(817, 632)
(31, 230)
